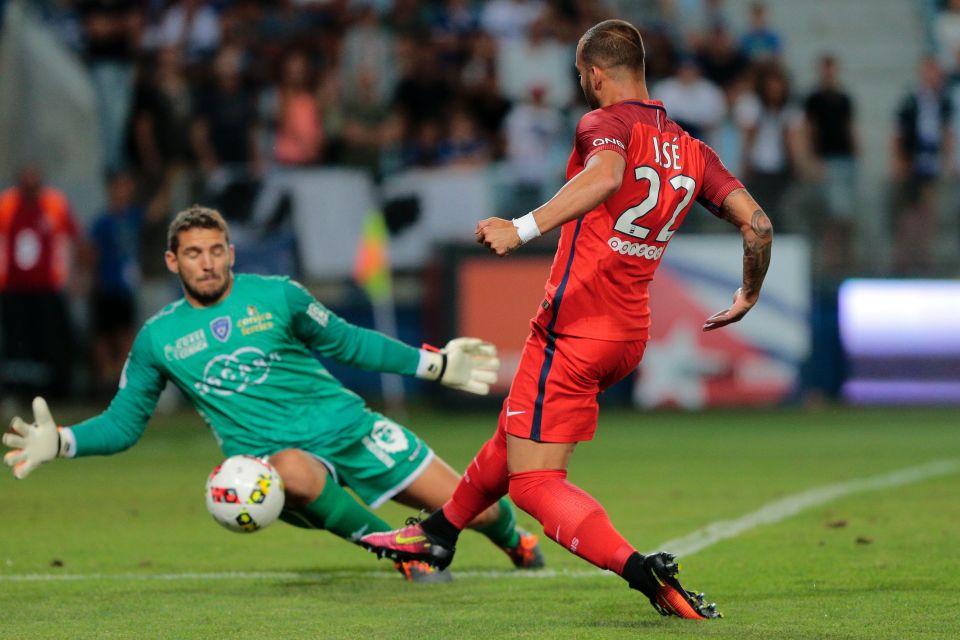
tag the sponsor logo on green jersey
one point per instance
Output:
(230, 373)
(320, 315)
(186, 346)
(255, 321)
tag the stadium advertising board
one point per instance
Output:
(901, 341)
(754, 362)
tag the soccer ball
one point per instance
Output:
(244, 494)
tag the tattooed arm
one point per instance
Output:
(743, 211)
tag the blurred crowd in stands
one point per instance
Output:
(199, 100)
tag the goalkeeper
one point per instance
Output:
(240, 348)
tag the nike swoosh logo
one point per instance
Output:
(410, 540)
(514, 413)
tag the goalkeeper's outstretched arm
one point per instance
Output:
(467, 364)
(114, 430)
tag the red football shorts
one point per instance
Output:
(553, 396)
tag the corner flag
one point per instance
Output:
(371, 268)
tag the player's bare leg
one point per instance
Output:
(526, 455)
(303, 476)
(435, 486)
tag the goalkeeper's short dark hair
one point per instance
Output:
(195, 217)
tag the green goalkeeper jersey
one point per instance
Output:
(246, 364)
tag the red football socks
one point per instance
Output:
(483, 483)
(571, 517)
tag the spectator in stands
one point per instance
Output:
(162, 115)
(278, 27)
(367, 49)
(697, 20)
(695, 103)
(115, 243)
(952, 90)
(720, 56)
(772, 130)
(539, 60)
(922, 153)
(761, 42)
(190, 25)
(225, 130)
(37, 237)
(662, 52)
(299, 135)
(833, 144)
(405, 17)
(111, 34)
(947, 35)
(364, 121)
(464, 144)
(655, 14)
(451, 26)
(532, 129)
(480, 89)
(508, 20)
(423, 145)
(422, 93)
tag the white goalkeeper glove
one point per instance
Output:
(467, 364)
(33, 444)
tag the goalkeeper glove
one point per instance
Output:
(33, 444)
(467, 364)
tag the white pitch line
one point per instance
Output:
(782, 509)
(697, 541)
(287, 576)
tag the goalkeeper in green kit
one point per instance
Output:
(240, 347)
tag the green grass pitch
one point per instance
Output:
(122, 547)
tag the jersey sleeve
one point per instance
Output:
(601, 130)
(718, 182)
(125, 420)
(329, 335)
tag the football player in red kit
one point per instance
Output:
(632, 177)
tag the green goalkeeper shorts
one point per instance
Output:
(380, 463)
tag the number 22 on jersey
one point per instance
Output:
(668, 158)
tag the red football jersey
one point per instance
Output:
(606, 258)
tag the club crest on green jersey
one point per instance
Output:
(220, 327)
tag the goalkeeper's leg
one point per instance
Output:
(315, 501)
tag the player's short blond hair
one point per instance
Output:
(195, 217)
(613, 43)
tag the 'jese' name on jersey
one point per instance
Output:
(667, 153)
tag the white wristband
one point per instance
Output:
(68, 443)
(431, 365)
(527, 228)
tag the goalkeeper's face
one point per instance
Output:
(203, 261)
